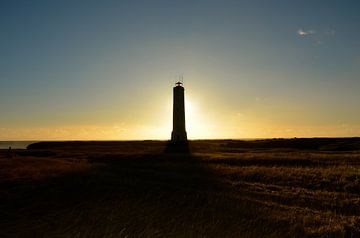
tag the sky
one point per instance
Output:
(104, 69)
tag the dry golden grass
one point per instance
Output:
(135, 189)
(28, 168)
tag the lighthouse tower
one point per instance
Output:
(179, 133)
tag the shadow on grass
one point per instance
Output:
(178, 148)
(170, 193)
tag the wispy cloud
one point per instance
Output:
(317, 37)
(303, 33)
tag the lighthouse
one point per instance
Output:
(178, 134)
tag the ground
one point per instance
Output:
(216, 188)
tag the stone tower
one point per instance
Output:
(179, 133)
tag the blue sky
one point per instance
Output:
(251, 68)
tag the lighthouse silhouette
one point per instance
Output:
(178, 134)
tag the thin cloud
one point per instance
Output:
(317, 37)
(303, 33)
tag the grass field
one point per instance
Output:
(219, 188)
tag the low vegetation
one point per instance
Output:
(219, 188)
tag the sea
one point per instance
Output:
(15, 144)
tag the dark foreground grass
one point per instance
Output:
(142, 189)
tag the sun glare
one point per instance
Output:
(196, 126)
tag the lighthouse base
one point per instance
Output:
(178, 137)
(178, 147)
